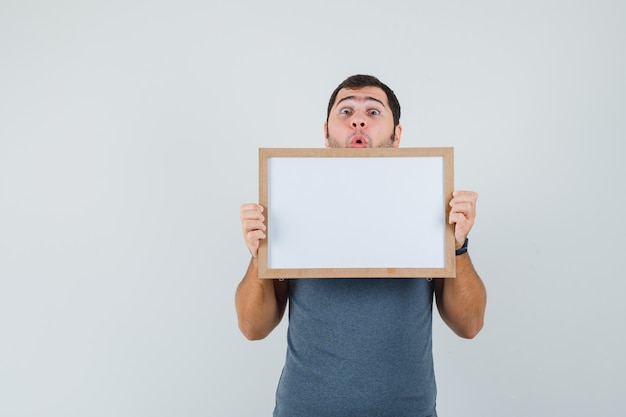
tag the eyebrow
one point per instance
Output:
(360, 99)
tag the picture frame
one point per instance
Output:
(356, 213)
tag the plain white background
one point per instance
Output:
(129, 133)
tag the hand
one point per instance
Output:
(462, 214)
(252, 225)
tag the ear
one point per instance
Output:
(326, 142)
(398, 132)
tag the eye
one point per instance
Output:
(345, 110)
(374, 112)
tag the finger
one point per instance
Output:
(254, 236)
(466, 209)
(251, 225)
(463, 197)
(462, 226)
(457, 218)
(247, 216)
(251, 206)
(253, 239)
(250, 210)
(465, 194)
(251, 215)
(461, 219)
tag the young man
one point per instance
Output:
(360, 347)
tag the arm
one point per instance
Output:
(461, 301)
(260, 303)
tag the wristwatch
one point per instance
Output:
(462, 249)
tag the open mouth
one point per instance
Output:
(358, 142)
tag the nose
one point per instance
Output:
(357, 122)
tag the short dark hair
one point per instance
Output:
(358, 81)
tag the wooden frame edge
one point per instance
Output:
(448, 271)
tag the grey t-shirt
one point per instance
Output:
(358, 347)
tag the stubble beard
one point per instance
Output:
(334, 143)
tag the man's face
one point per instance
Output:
(361, 119)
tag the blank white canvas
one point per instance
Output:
(356, 212)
